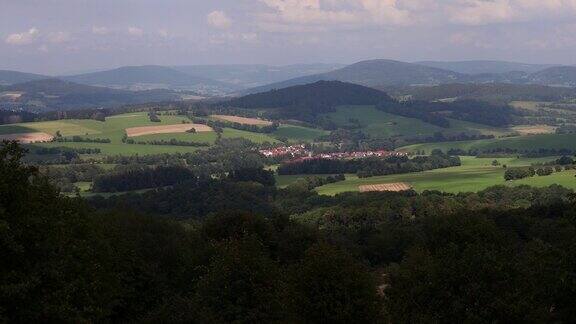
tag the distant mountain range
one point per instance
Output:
(484, 67)
(248, 76)
(56, 94)
(219, 80)
(13, 77)
(150, 77)
(379, 73)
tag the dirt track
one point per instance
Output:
(399, 186)
(242, 120)
(28, 137)
(166, 129)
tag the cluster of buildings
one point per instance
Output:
(300, 153)
(288, 151)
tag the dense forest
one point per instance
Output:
(261, 254)
(330, 93)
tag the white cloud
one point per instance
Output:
(226, 38)
(135, 31)
(482, 12)
(309, 15)
(99, 30)
(219, 19)
(59, 37)
(24, 38)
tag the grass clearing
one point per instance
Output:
(299, 133)
(380, 124)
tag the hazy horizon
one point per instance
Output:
(69, 36)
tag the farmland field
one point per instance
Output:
(242, 120)
(299, 133)
(166, 129)
(115, 127)
(547, 141)
(475, 174)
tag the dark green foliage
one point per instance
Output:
(322, 93)
(245, 127)
(369, 167)
(264, 177)
(331, 287)
(519, 173)
(142, 178)
(502, 255)
(171, 142)
(80, 139)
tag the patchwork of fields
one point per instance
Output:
(138, 124)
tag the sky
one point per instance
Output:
(71, 36)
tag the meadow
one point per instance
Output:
(475, 174)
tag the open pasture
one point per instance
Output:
(242, 120)
(532, 142)
(383, 125)
(474, 175)
(299, 133)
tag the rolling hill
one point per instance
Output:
(13, 77)
(557, 76)
(386, 73)
(492, 92)
(150, 77)
(57, 94)
(375, 73)
(319, 94)
(248, 76)
(485, 66)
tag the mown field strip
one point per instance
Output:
(27, 137)
(166, 129)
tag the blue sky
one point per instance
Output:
(64, 36)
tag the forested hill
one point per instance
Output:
(321, 93)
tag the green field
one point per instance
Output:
(547, 141)
(299, 133)
(475, 174)
(380, 124)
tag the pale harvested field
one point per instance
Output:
(27, 137)
(242, 120)
(398, 186)
(534, 129)
(166, 129)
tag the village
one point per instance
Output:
(300, 153)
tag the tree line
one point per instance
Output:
(368, 167)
